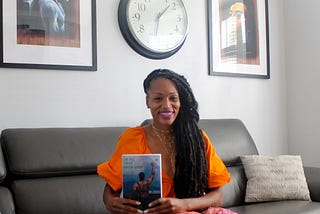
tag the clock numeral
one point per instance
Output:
(137, 16)
(176, 29)
(174, 6)
(141, 29)
(141, 7)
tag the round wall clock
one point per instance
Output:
(153, 28)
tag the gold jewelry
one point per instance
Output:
(167, 139)
(161, 130)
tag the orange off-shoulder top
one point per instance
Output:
(134, 141)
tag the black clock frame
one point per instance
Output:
(131, 40)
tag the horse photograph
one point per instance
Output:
(48, 22)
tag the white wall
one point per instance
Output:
(303, 74)
(113, 95)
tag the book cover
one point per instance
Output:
(142, 180)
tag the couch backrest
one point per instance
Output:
(49, 152)
(3, 170)
(54, 169)
(231, 139)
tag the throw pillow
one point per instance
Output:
(274, 178)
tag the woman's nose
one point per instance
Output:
(166, 103)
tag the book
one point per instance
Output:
(141, 178)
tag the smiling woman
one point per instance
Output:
(163, 102)
(192, 172)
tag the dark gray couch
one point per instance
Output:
(53, 170)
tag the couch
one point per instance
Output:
(53, 170)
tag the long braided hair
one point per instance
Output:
(191, 175)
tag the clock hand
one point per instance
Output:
(162, 12)
(157, 26)
(157, 20)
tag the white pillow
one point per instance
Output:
(274, 178)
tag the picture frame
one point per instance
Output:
(238, 38)
(40, 34)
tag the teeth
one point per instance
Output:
(166, 113)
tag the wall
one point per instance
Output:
(113, 95)
(302, 42)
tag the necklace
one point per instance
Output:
(167, 140)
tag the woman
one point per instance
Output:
(192, 173)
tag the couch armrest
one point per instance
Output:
(6, 201)
(312, 175)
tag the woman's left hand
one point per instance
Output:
(167, 206)
(213, 198)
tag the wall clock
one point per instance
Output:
(156, 29)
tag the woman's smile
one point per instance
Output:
(166, 115)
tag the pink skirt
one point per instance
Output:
(212, 210)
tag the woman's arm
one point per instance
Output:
(213, 198)
(115, 204)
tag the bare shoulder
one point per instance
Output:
(147, 129)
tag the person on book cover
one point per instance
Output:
(192, 172)
(140, 190)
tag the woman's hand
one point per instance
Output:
(213, 198)
(167, 206)
(117, 205)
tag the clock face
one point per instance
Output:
(159, 26)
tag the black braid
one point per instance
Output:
(191, 176)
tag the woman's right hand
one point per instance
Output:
(117, 205)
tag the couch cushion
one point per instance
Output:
(234, 191)
(66, 194)
(312, 175)
(6, 201)
(279, 207)
(274, 178)
(58, 151)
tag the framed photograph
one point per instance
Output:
(49, 34)
(238, 38)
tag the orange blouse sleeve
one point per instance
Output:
(218, 174)
(131, 141)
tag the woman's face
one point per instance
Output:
(164, 102)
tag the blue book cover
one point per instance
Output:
(142, 180)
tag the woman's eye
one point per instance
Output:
(175, 99)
